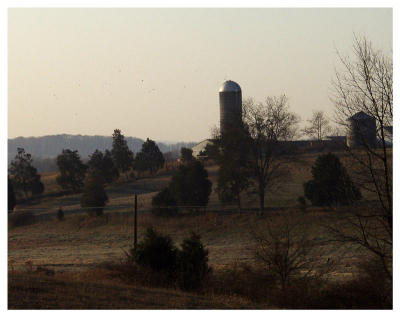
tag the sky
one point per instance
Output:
(156, 72)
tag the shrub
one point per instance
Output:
(192, 263)
(302, 203)
(135, 274)
(164, 203)
(94, 197)
(156, 251)
(190, 185)
(330, 183)
(186, 155)
(188, 266)
(11, 196)
(60, 214)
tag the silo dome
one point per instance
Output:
(230, 85)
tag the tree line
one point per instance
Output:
(102, 168)
(45, 149)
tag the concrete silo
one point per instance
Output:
(361, 131)
(230, 106)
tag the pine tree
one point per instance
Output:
(232, 157)
(149, 158)
(121, 155)
(186, 155)
(331, 184)
(72, 170)
(11, 196)
(104, 164)
(192, 263)
(24, 175)
(94, 197)
(190, 186)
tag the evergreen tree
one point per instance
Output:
(232, 156)
(192, 263)
(156, 251)
(60, 214)
(24, 175)
(232, 181)
(11, 196)
(37, 187)
(149, 158)
(72, 170)
(186, 154)
(164, 203)
(94, 197)
(190, 186)
(103, 164)
(330, 183)
(121, 155)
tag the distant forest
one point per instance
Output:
(45, 149)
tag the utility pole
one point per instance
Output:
(135, 225)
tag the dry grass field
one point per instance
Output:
(77, 249)
(81, 241)
(98, 291)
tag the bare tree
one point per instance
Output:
(268, 124)
(338, 130)
(318, 126)
(287, 249)
(365, 84)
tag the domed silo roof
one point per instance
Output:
(361, 130)
(360, 116)
(230, 85)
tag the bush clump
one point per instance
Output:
(302, 203)
(156, 251)
(187, 266)
(164, 203)
(94, 196)
(331, 184)
(192, 263)
(60, 214)
(190, 185)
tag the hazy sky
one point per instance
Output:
(156, 72)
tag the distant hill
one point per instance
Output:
(49, 146)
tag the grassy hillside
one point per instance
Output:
(78, 248)
(285, 195)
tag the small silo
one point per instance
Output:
(361, 131)
(230, 106)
